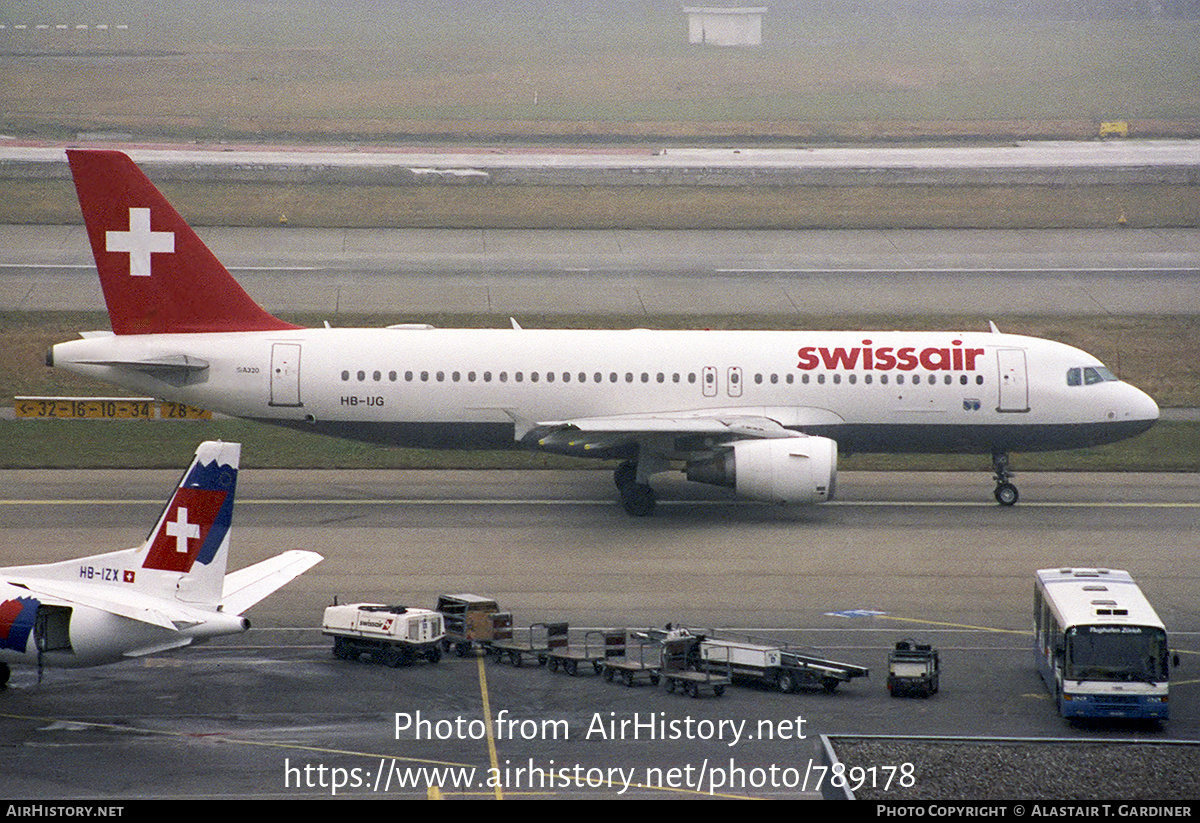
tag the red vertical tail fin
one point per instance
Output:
(157, 275)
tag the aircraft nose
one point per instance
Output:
(1137, 410)
(1143, 406)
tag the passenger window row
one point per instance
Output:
(645, 377)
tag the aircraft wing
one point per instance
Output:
(247, 586)
(133, 605)
(597, 433)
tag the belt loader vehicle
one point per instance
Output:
(786, 669)
(391, 635)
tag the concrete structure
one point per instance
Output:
(725, 26)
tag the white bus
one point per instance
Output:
(1100, 647)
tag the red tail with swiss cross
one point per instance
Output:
(157, 275)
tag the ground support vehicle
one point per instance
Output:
(1100, 647)
(471, 619)
(598, 646)
(913, 669)
(684, 670)
(645, 662)
(391, 635)
(543, 637)
(786, 669)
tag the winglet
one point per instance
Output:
(157, 275)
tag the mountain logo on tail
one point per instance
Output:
(196, 521)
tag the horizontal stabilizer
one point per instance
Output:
(247, 586)
(177, 362)
(175, 369)
(136, 606)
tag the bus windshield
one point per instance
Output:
(1121, 653)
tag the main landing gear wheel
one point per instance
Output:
(1006, 493)
(638, 499)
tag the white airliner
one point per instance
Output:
(170, 592)
(763, 412)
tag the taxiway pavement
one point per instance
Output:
(900, 554)
(414, 273)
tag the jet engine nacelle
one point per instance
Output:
(777, 470)
(78, 636)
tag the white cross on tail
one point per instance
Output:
(181, 530)
(139, 242)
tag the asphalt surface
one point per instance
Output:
(413, 273)
(1050, 154)
(900, 554)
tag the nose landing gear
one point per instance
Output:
(1005, 493)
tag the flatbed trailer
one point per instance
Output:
(543, 637)
(685, 671)
(629, 669)
(786, 669)
(598, 646)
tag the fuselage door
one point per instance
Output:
(734, 381)
(285, 374)
(709, 381)
(52, 628)
(1014, 386)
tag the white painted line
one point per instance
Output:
(1048, 269)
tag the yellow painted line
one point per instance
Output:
(487, 719)
(953, 625)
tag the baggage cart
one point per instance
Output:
(685, 671)
(470, 620)
(598, 646)
(542, 637)
(645, 662)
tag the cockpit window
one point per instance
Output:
(1089, 375)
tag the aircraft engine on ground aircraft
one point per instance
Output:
(76, 636)
(777, 470)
